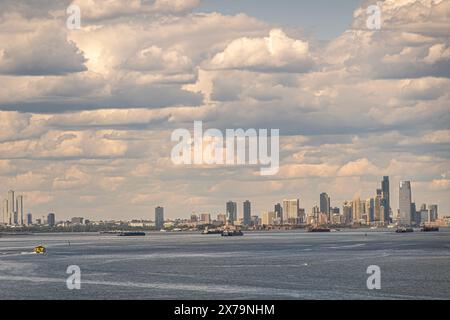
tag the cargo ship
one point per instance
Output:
(319, 229)
(404, 230)
(232, 233)
(131, 234)
(211, 231)
(430, 229)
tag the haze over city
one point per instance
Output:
(87, 115)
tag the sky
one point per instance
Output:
(86, 115)
(324, 19)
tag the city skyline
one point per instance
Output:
(86, 115)
(290, 211)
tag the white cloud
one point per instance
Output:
(277, 52)
(362, 106)
(51, 54)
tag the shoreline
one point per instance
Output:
(275, 231)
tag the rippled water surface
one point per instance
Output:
(259, 265)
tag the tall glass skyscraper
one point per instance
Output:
(247, 213)
(325, 204)
(405, 203)
(11, 208)
(386, 202)
(231, 210)
(279, 212)
(51, 220)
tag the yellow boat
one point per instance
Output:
(39, 250)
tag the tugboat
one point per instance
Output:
(40, 250)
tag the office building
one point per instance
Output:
(424, 214)
(77, 220)
(51, 221)
(415, 218)
(159, 218)
(370, 210)
(347, 212)
(404, 217)
(290, 211)
(231, 210)
(433, 209)
(19, 210)
(205, 218)
(325, 203)
(29, 219)
(222, 218)
(268, 218)
(386, 202)
(11, 208)
(247, 213)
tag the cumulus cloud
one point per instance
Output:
(37, 48)
(96, 106)
(101, 9)
(410, 43)
(277, 52)
(65, 145)
(155, 58)
(359, 168)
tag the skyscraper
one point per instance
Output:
(51, 220)
(325, 204)
(379, 208)
(6, 218)
(29, 219)
(19, 210)
(11, 208)
(433, 208)
(347, 211)
(279, 213)
(205, 218)
(370, 209)
(159, 217)
(424, 214)
(231, 210)
(358, 209)
(386, 199)
(415, 218)
(247, 213)
(405, 203)
(268, 218)
(290, 211)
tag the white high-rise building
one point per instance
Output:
(6, 218)
(268, 218)
(290, 210)
(404, 217)
(11, 208)
(19, 210)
